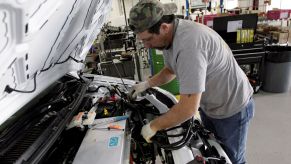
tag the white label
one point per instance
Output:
(284, 15)
(197, 3)
(232, 26)
(159, 52)
(209, 23)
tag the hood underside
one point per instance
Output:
(41, 41)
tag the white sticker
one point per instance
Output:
(159, 52)
(233, 26)
(209, 23)
(284, 15)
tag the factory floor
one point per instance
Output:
(270, 130)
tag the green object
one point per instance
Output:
(158, 64)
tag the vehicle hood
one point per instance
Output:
(41, 41)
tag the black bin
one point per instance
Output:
(277, 76)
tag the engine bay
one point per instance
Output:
(91, 119)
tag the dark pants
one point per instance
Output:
(232, 131)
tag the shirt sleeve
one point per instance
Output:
(191, 69)
(166, 60)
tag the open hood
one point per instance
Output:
(41, 41)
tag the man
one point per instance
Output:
(208, 75)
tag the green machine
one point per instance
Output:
(157, 63)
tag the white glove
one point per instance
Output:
(147, 132)
(138, 88)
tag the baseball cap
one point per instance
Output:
(147, 13)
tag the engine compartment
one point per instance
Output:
(60, 126)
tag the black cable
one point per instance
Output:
(172, 145)
(173, 128)
(119, 93)
(175, 135)
(179, 144)
(63, 61)
(70, 57)
(182, 145)
(176, 127)
(75, 60)
(161, 155)
(153, 152)
(43, 70)
(170, 135)
(137, 110)
(8, 89)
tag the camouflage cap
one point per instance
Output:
(147, 13)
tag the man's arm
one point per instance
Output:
(164, 76)
(179, 113)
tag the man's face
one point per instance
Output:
(152, 40)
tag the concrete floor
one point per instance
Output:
(270, 130)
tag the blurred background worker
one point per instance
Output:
(208, 75)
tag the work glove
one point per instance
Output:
(147, 132)
(138, 88)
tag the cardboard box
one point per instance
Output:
(278, 14)
(208, 19)
(280, 37)
(283, 37)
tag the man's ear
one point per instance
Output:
(164, 28)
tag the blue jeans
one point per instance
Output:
(232, 131)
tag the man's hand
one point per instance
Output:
(138, 88)
(147, 132)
